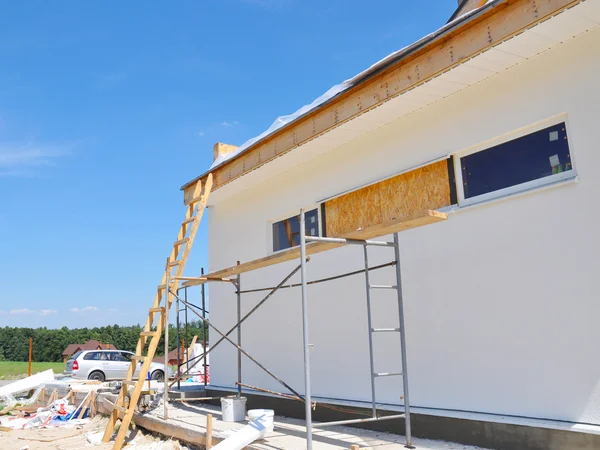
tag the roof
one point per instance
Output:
(172, 355)
(92, 344)
(285, 122)
(465, 6)
(71, 348)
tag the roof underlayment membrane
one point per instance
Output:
(334, 91)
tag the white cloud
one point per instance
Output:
(87, 308)
(23, 311)
(21, 160)
(231, 124)
(46, 312)
(112, 309)
(2, 312)
(200, 133)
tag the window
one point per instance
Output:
(537, 158)
(95, 356)
(286, 233)
(125, 356)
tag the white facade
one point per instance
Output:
(502, 310)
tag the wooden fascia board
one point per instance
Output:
(492, 27)
(392, 226)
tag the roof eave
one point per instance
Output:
(451, 26)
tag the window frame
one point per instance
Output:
(270, 223)
(510, 136)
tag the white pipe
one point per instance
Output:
(251, 432)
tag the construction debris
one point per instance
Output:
(40, 401)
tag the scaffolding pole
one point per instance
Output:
(307, 391)
(369, 328)
(402, 341)
(166, 322)
(203, 331)
(238, 285)
(177, 340)
(186, 339)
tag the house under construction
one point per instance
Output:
(419, 244)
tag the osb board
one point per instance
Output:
(403, 197)
(387, 227)
(506, 19)
(342, 212)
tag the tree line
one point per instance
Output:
(49, 344)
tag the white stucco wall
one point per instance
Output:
(502, 313)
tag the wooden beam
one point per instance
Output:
(391, 226)
(209, 431)
(492, 27)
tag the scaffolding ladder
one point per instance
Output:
(371, 331)
(399, 329)
(168, 286)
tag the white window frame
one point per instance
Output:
(271, 222)
(533, 184)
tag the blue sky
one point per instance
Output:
(107, 108)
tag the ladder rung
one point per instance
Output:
(181, 242)
(190, 220)
(148, 333)
(174, 263)
(156, 310)
(129, 382)
(196, 199)
(388, 374)
(384, 330)
(138, 357)
(121, 409)
(383, 286)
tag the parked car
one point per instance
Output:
(104, 365)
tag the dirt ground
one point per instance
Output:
(75, 438)
(71, 438)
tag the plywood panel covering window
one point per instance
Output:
(403, 197)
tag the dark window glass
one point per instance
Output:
(92, 356)
(286, 233)
(537, 155)
(113, 356)
(125, 356)
(75, 356)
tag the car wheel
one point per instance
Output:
(158, 375)
(96, 376)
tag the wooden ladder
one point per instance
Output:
(181, 247)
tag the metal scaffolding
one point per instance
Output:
(302, 267)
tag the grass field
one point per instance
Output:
(10, 370)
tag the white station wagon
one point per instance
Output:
(104, 365)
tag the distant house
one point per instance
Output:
(195, 356)
(92, 344)
(172, 358)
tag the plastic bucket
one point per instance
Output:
(233, 408)
(268, 413)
